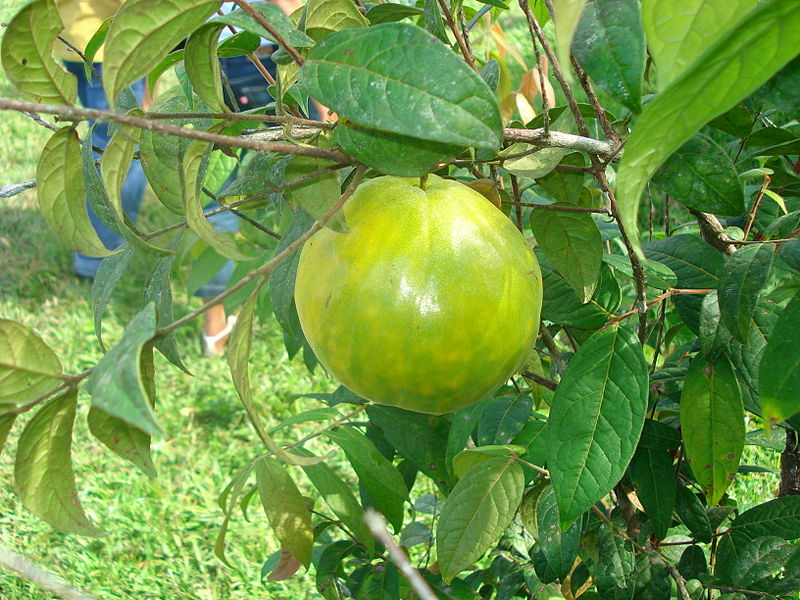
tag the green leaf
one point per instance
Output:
(714, 336)
(731, 68)
(28, 367)
(596, 418)
(415, 437)
(390, 153)
(390, 12)
(142, 33)
(471, 457)
(326, 16)
(652, 472)
(659, 436)
(693, 562)
(62, 194)
(394, 94)
(740, 284)
(95, 191)
(779, 369)
(560, 303)
(697, 266)
(658, 276)
(202, 65)
(566, 17)
(701, 175)
(192, 175)
(115, 165)
(476, 513)
(274, 16)
(329, 569)
(692, 513)
(27, 55)
(609, 45)
(121, 438)
(677, 38)
(778, 517)
(116, 383)
(316, 197)
(44, 480)
(286, 508)
(557, 548)
(464, 422)
(108, 275)
(712, 422)
(6, 423)
(502, 418)
(341, 501)
(534, 439)
(572, 241)
(93, 46)
(433, 22)
(158, 290)
(535, 165)
(232, 493)
(376, 473)
(767, 564)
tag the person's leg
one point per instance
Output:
(91, 95)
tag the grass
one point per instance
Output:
(160, 533)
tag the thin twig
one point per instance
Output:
(45, 579)
(734, 590)
(657, 299)
(751, 216)
(12, 189)
(377, 525)
(40, 121)
(279, 39)
(232, 116)
(75, 113)
(594, 101)
(448, 17)
(561, 207)
(543, 381)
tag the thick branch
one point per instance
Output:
(45, 579)
(713, 232)
(559, 139)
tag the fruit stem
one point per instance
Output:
(422, 181)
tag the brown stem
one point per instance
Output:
(81, 114)
(754, 208)
(448, 17)
(279, 39)
(561, 207)
(231, 116)
(543, 381)
(517, 201)
(594, 101)
(790, 465)
(656, 300)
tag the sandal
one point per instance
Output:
(209, 342)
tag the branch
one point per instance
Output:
(543, 381)
(12, 189)
(232, 116)
(49, 581)
(561, 207)
(656, 300)
(448, 17)
(713, 232)
(377, 525)
(82, 114)
(559, 139)
(279, 39)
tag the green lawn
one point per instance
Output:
(160, 532)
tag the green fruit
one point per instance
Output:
(429, 302)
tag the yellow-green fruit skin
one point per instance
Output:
(430, 301)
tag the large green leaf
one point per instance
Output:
(779, 369)
(731, 68)
(652, 472)
(779, 517)
(476, 513)
(126, 441)
(572, 241)
(557, 549)
(701, 175)
(202, 65)
(768, 564)
(692, 513)
(740, 283)
(27, 55)
(712, 422)
(323, 17)
(342, 502)
(142, 33)
(28, 367)
(561, 304)
(714, 336)
(567, 15)
(45, 482)
(371, 76)
(116, 384)
(676, 38)
(286, 508)
(609, 45)
(596, 418)
(502, 418)
(377, 474)
(62, 195)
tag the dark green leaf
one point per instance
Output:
(714, 336)
(560, 303)
(143, 31)
(790, 252)
(489, 495)
(744, 57)
(596, 418)
(565, 185)
(692, 513)
(43, 472)
(158, 290)
(28, 367)
(693, 562)
(766, 564)
(95, 191)
(712, 423)
(659, 436)
(6, 423)
(779, 370)
(502, 418)
(378, 475)
(534, 439)
(652, 472)
(779, 517)
(658, 276)
(62, 195)
(116, 383)
(390, 12)
(557, 548)
(702, 176)
(464, 422)
(740, 283)
(572, 242)
(432, 19)
(609, 45)
(27, 55)
(329, 568)
(108, 275)
(783, 90)
(286, 508)
(395, 94)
